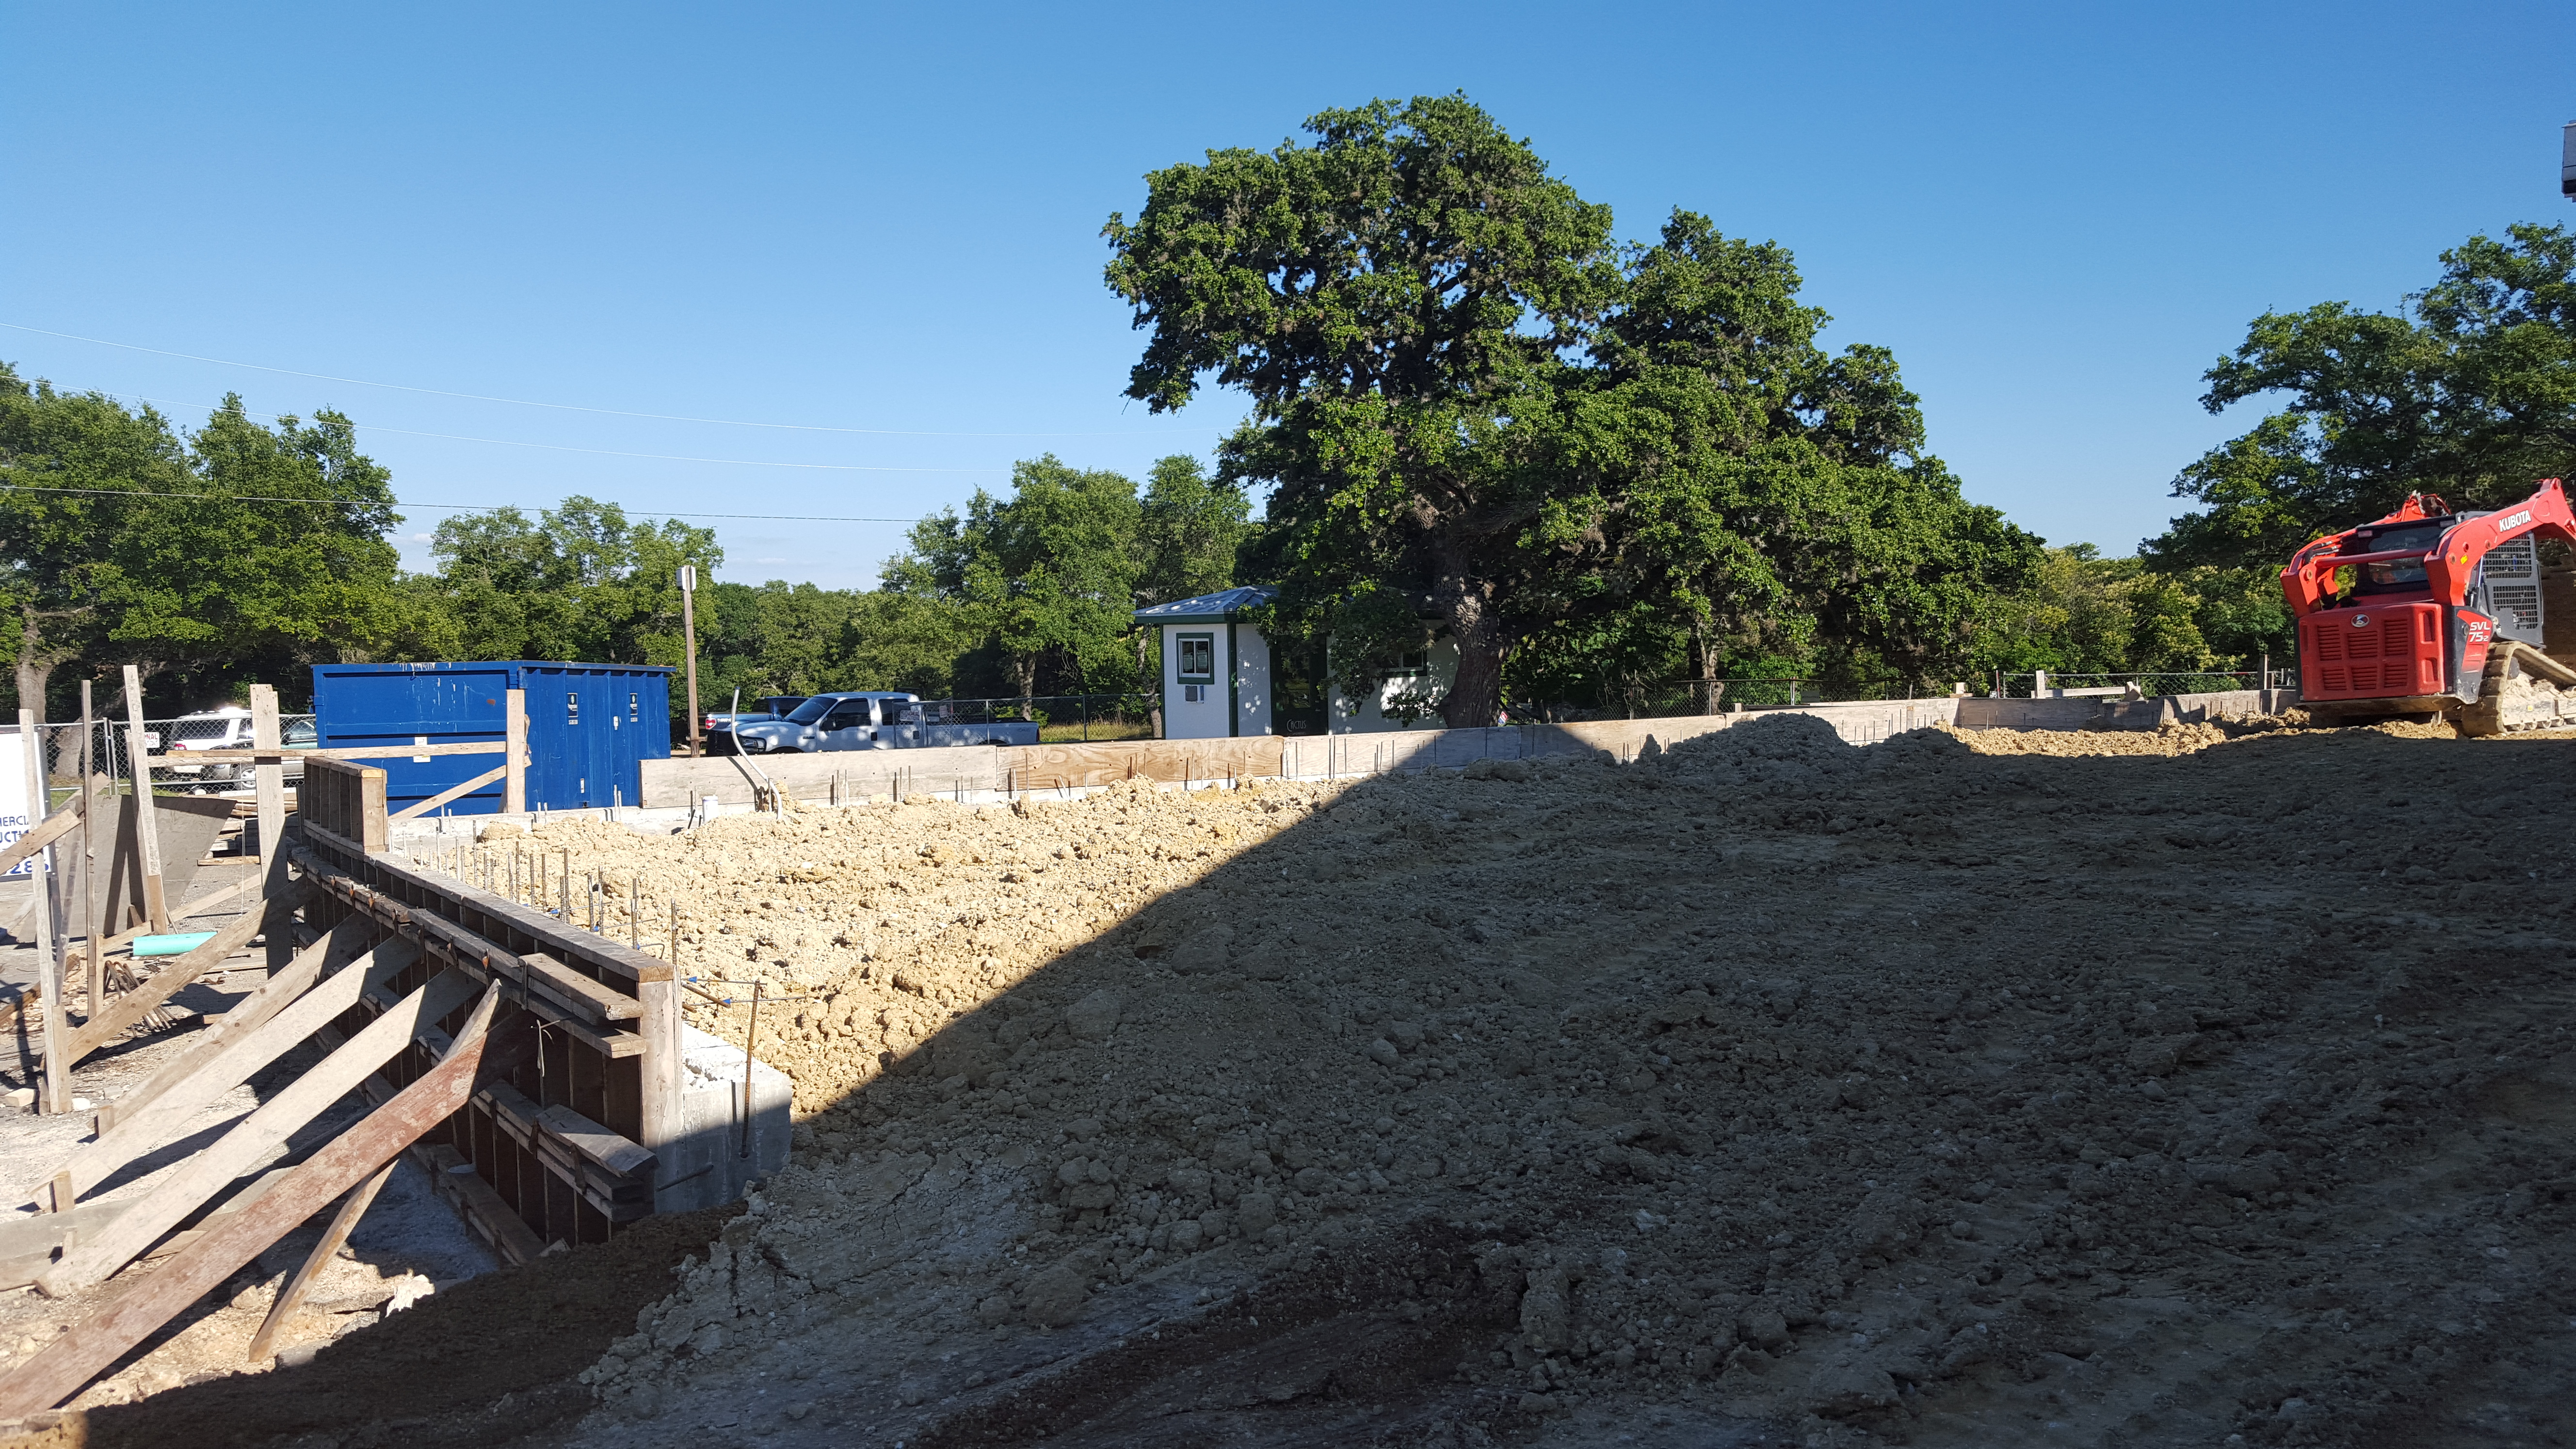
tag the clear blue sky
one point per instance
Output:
(888, 219)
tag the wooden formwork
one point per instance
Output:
(567, 1146)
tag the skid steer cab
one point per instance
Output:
(2435, 614)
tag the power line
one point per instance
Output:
(447, 507)
(568, 448)
(567, 407)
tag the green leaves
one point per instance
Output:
(1477, 415)
(2470, 393)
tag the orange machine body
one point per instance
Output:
(2423, 606)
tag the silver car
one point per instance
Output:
(871, 720)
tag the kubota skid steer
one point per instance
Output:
(2446, 617)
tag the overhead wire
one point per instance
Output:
(568, 448)
(406, 503)
(572, 407)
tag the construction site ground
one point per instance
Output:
(2208, 1086)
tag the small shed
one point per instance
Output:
(1222, 679)
(590, 726)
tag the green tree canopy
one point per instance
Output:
(1051, 570)
(2468, 391)
(581, 581)
(1475, 411)
(124, 544)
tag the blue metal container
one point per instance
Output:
(590, 726)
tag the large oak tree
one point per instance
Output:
(1472, 407)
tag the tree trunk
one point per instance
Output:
(35, 662)
(1026, 667)
(1478, 689)
(1703, 694)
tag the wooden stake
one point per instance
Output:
(147, 830)
(49, 967)
(92, 928)
(269, 784)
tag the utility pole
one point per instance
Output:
(689, 626)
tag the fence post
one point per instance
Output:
(49, 971)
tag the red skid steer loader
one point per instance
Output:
(2447, 615)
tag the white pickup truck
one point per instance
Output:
(870, 720)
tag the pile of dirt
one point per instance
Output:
(490, 1361)
(2210, 1083)
(1908, 1091)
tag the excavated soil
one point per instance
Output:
(2204, 1087)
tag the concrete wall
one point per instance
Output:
(982, 769)
(2120, 714)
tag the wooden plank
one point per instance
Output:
(255, 1136)
(268, 787)
(359, 752)
(451, 793)
(145, 1127)
(134, 1005)
(291, 1297)
(598, 1003)
(92, 925)
(659, 1125)
(105, 1335)
(54, 827)
(347, 940)
(1078, 765)
(49, 973)
(514, 788)
(612, 1153)
(147, 830)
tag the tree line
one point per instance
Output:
(1598, 469)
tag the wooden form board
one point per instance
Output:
(103, 1336)
(569, 1144)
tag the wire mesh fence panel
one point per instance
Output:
(111, 755)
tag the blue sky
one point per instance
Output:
(887, 219)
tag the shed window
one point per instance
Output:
(1411, 663)
(1198, 658)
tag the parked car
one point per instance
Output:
(228, 728)
(870, 720)
(717, 728)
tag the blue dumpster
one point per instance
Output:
(590, 727)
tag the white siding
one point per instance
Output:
(1364, 716)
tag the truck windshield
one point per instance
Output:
(812, 709)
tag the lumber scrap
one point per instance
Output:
(146, 1127)
(245, 1016)
(353, 752)
(103, 1336)
(133, 1006)
(54, 827)
(453, 792)
(255, 1136)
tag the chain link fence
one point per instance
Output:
(110, 756)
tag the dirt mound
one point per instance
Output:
(1925, 1092)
